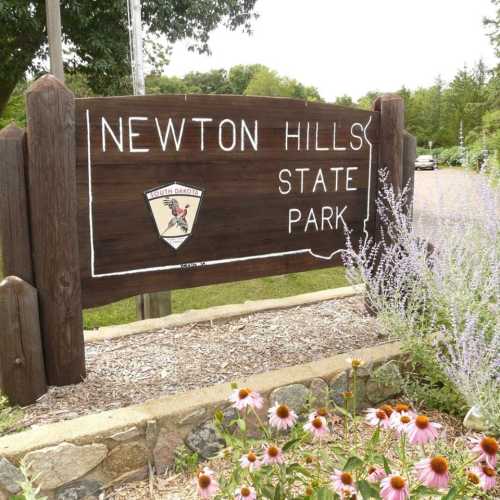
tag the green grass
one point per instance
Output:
(227, 293)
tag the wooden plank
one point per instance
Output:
(409, 157)
(242, 213)
(153, 305)
(14, 224)
(53, 220)
(391, 109)
(22, 373)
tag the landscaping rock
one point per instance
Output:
(319, 392)
(204, 440)
(9, 477)
(475, 421)
(85, 489)
(164, 451)
(129, 434)
(338, 385)
(295, 396)
(61, 464)
(126, 457)
(193, 417)
(385, 382)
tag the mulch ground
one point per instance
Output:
(136, 368)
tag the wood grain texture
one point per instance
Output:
(391, 109)
(409, 157)
(53, 202)
(242, 213)
(14, 211)
(22, 372)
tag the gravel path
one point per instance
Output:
(134, 369)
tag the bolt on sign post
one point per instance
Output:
(133, 195)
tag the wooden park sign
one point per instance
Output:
(129, 195)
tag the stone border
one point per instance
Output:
(219, 312)
(99, 450)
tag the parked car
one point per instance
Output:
(425, 162)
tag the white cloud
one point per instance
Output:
(350, 47)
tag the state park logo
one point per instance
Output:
(174, 208)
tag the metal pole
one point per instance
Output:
(53, 12)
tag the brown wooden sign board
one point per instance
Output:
(182, 191)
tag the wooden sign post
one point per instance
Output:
(133, 195)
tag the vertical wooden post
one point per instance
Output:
(14, 213)
(392, 119)
(22, 373)
(53, 13)
(53, 220)
(409, 157)
(153, 305)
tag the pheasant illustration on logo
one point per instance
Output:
(174, 208)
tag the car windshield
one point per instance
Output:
(424, 158)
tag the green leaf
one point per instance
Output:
(277, 493)
(290, 443)
(242, 425)
(353, 463)
(387, 469)
(219, 416)
(234, 386)
(423, 490)
(375, 439)
(324, 493)
(452, 493)
(367, 490)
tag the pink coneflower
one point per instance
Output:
(207, 486)
(317, 427)
(394, 487)
(250, 461)
(486, 449)
(399, 410)
(320, 412)
(421, 430)
(400, 424)
(273, 455)
(376, 474)
(343, 483)
(487, 476)
(281, 417)
(245, 493)
(433, 472)
(377, 417)
(241, 398)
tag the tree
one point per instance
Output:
(494, 28)
(96, 35)
(344, 100)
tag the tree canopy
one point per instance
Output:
(95, 35)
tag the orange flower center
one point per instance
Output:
(473, 478)
(252, 457)
(397, 482)
(488, 471)
(388, 409)
(309, 459)
(371, 469)
(489, 445)
(245, 492)
(322, 412)
(272, 451)
(381, 414)
(317, 423)
(204, 481)
(356, 363)
(439, 465)
(422, 422)
(405, 419)
(309, 492)
(282, 411)
(401, 407)
(244, 393)
(347, 395)
(346, 478)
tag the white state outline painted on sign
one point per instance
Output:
(188, 265)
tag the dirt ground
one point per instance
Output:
(136, 368)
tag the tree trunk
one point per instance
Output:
(7, 86)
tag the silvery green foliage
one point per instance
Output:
(448, 298)
(28, 489)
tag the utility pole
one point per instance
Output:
(53, 12)
(148, 305)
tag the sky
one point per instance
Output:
(352, 46)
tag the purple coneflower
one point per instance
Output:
(343, 483)
(207, 486)
(394, 487)
(241, 398)
(245, 493)
(433, 472)
(377, 417)
(250, 461)
(421, 430)
(273, 455)
(376, 474)
(487, 476)
(281, 417)
(486, 449)
(317, 427)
